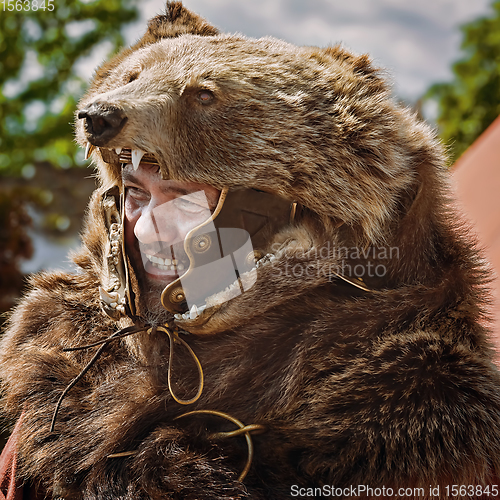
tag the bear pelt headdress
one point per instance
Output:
(359, 356)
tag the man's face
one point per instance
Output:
(158, 216)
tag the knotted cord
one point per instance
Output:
(124, 332)
(173, 336)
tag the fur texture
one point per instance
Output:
(395, 387)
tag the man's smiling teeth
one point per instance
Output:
(165, 264)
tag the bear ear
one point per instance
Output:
(176, 21)
(361, 65)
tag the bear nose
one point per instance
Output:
(102, 122)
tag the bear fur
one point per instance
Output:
(390, 386)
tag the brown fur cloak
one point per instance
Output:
(393, 387)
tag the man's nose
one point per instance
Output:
(153, 226)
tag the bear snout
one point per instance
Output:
(102, 122)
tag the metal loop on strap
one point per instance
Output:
(243, 429)
(174, 336)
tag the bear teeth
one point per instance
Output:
(231, 291)
(125, 156)
(88, 150)
(266, 259)
(193, 313)
(137, 155)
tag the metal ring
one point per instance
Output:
(242, 429)
(202, 243)
(177, 295)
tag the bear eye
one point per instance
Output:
(205, 96)
(133, 77)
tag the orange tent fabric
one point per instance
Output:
(8, 488)
(476, 182)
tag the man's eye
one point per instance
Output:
(133, 191)
(136, 193)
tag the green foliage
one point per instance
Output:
(470, 103)
(39, 88)
(15, 244)
(42, 53)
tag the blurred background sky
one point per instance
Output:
(415, 41)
